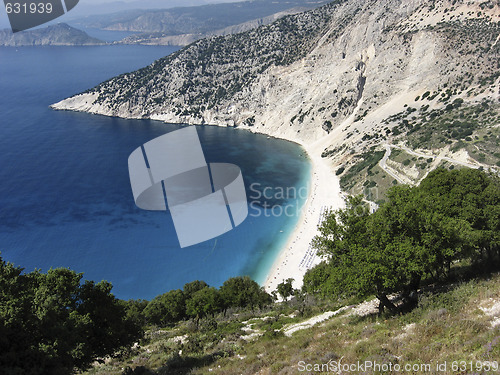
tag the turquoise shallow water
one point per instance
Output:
(65, 197)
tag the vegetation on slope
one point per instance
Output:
(52, 323)
(458, 114)
(452, 217)
(405, 254)
(201, 75)
(452, 125)
(453, 128)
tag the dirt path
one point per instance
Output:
(391, 172)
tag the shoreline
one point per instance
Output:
(297, 256)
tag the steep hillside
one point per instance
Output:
(345, 79)
(455, 327)
(205, 75)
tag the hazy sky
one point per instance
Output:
(167, 3)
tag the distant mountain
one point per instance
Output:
(193, 20)
(87, 8)
(55, 35)
(97, 7)
(185, 39)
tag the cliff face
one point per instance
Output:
(330, 75)
(56, 35)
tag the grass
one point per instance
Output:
(484, 146)
(383, 183)
(367, 178)
(448, 326)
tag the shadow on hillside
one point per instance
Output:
(458, 275)
(176, 366)
(183, 365)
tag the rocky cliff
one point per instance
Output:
(348, 76)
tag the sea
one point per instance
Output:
(65, 195)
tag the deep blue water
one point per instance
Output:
(65, 196)
(106, 35)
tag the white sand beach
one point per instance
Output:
(298, 256)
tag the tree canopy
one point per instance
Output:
(167, 308)
(285, 288)
(243, 292)
(192, 287)
(198, 300)
(419, 232)
(204, 302)
(57, 323)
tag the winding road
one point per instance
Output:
(391, 172)
(437, 159)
